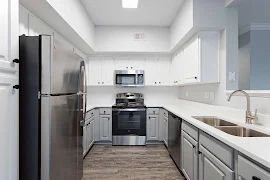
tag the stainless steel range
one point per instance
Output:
(129, 119)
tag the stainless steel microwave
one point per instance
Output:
(129, 78)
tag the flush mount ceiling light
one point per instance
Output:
(130, 3)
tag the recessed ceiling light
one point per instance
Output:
(130, 3)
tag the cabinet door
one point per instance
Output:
(151, 71)
(191, 58)
(9, 104)
(152, 127)
(91, 132)
(84, 140)
(107, 71)
(138, 62)
(122, 63)
(105, 128)
(212, 168)
(94, 71)
(163, 74)
(180, 68)
(166, 131)
(36, 27)
(189, 156)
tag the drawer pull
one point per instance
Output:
(104, 112)
(255, 178)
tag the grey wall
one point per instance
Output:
(260, 60)
(244, 61)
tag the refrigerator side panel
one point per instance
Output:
(29, 113)
(45, 137)
(65, 70)
(46, 57)
(65, 146)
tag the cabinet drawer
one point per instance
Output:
(217, 148)
(153, 111)
(165, 113)
(190, 130)
(107, 111)
(90, 113)
(248, 170)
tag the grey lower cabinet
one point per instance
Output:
(248, 170)
(88, 134)
(153, 133)
(152, 130)
(189, 156)
(105, 128)
(211, 168)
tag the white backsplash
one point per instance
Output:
(152, 95)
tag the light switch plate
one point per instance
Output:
(231, 76)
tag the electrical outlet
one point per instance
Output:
(212, 95)
(232, 76)
(206, 95)
(187, 93)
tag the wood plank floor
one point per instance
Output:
(130, 163)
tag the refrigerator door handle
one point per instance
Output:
(84, 93)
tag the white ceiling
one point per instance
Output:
(148, 13)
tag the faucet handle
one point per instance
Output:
(255, 115)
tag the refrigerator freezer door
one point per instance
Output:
(61, 148)
(60, 67)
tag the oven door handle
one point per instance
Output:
(129, 110)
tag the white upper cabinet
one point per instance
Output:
(100, 71)
(137, 62)
(36, 27)
(163, 71)
(178, 69)
(157, 71)
(94, 71)
(151, 70)
(198, 60)
(122, 63)
(107, 71)
(191, 58)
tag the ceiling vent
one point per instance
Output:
(140, 36)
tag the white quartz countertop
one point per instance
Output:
(257, 148)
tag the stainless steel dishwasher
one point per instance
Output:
(174, 138)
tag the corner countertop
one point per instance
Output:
(257, 148)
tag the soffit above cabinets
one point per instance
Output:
(148, 13)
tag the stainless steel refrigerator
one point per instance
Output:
(52, 104)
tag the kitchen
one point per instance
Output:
(157, 89)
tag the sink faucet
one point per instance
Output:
(249, 116)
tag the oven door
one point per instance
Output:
(125, 79)
(129, 122)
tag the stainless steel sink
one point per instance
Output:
(230, 128)
(242, 132)
(213, 121)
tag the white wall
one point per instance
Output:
(74, 13)
(121, 39)
(244, 67)
(182, 23)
